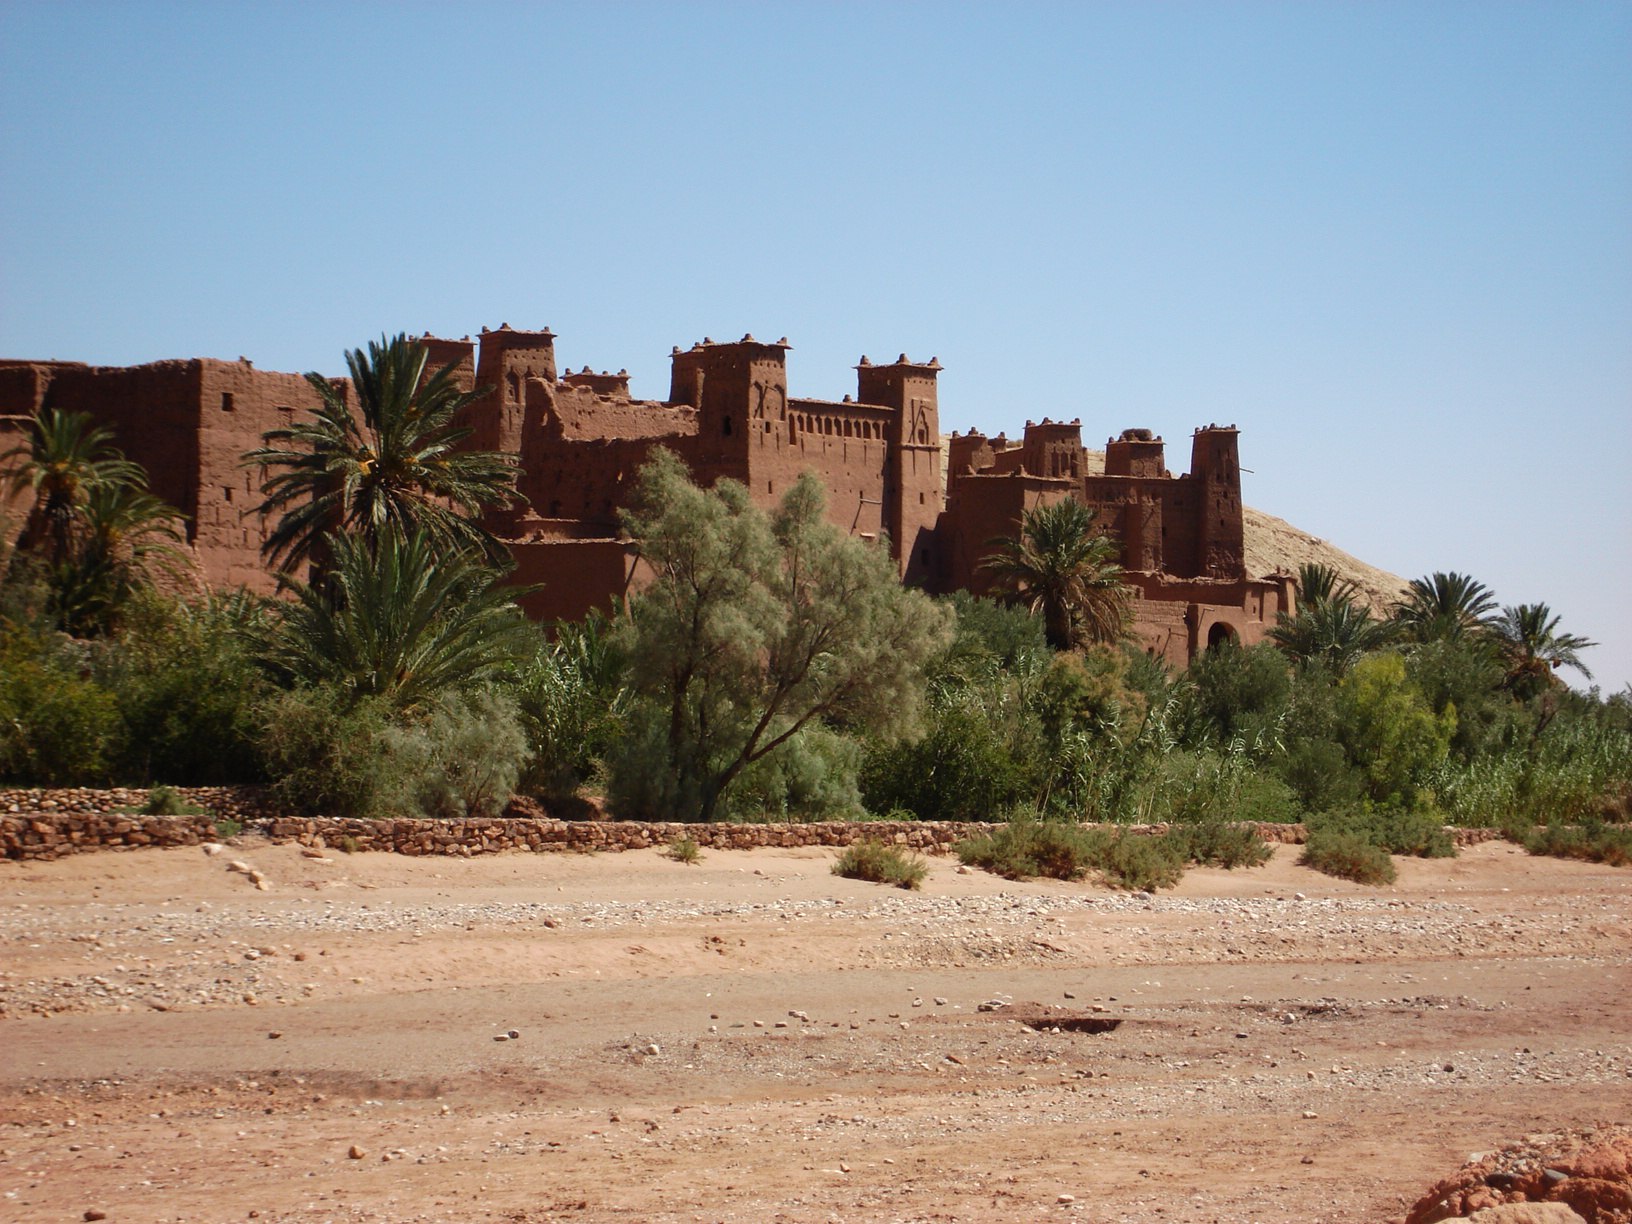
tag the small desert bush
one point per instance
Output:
(1215, 843)
(1419, 834)
(228, 829)
(684, 850)
(1141, 863)
(1025, 848)
(881, 864)
(1593, 841)
(167, 801)
(1347, 856)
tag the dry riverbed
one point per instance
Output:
(753, 1039)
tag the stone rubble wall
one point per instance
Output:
(47, 824)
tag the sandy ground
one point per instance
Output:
(753, 1039)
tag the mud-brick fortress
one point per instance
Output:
(580, 439)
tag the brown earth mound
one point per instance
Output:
(1583, 1175)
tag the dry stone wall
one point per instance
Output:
(47, 824)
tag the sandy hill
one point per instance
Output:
(1274, 543)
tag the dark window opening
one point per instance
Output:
(725, 426)
(226, 492)
(226, 402)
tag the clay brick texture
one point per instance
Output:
(580, 439)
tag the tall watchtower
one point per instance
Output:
(460, 354)
(508, 359)
(1215, 461)
(912, 479)
(736, 388)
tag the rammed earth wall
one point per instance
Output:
(48, 824)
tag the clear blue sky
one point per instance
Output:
(1391, 241)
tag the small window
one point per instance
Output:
(725, 426)
(920, 499)
(226, 402)
(226, 492)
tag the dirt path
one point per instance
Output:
(754, 1039)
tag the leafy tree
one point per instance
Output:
(1533, 648)
(573, 697)
(397, 622)
(186, 689)
(1061, 568)
(1233, 692)
(58, 727)
(394, 461)
(1390, 732)
(1443, 606)
(756, 628)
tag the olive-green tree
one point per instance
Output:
(756, 628)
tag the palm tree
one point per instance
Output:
(126, 537)
(1332, 626)
(1319, 583)
(62, 458)
(1533, 648)
(1061, 567)
(392, 462)
(398, 619)
(1442, 607)
(1336, 632)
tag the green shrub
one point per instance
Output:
(225, 830)
(965, 767)
(684, 850)
(1141, 863)
(459, 757)
(186, 690)
(1390, 731)
(1420, 834)
(1025, 848)
(1348, 857)
(1593, 841)
(1319, 774)
(167, 801)
(326, 754)
(1217, 843)
(57, 727)
(881, 864)
(573, 702)
(812, 776)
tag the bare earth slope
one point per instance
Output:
(1274, 544)
(753, 1039)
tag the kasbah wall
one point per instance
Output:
(580, 439)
